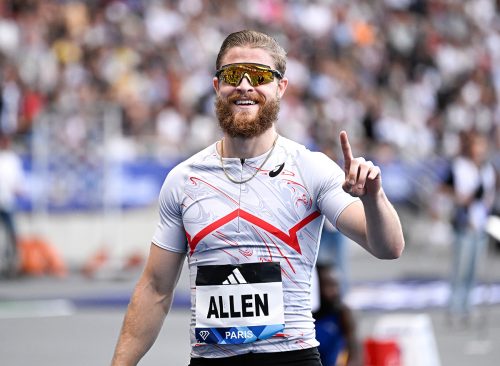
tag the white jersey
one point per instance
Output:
(251, 247)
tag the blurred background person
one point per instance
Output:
(11, 181)
(335, 323)
(471, 184)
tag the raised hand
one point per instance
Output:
(361, 176)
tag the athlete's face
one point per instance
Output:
(245, 110)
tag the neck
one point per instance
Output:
(244, 148)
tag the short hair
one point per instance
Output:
(253, 39)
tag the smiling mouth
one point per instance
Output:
(245, 102)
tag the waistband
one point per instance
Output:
(303, 357)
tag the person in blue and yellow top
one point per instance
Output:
(335, 324)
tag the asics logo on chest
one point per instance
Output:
(277, 170)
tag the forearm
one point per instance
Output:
(143, 321)
(384, 234)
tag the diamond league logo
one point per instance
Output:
(204, 334)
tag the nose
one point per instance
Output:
(245, 83)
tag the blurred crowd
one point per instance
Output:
(404, 77)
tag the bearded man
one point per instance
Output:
(247, 212)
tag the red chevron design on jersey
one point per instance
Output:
(290, 238)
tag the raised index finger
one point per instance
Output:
(346, 150)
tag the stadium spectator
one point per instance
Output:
(335, 323)
(471, 184)
(11, 183)
(415, 57)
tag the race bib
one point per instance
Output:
(238, 303)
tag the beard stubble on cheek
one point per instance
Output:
(241, 124)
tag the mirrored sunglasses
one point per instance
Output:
(256, 74)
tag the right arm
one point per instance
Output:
(149, 305)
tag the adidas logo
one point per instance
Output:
(234, 278)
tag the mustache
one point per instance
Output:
(236, 95)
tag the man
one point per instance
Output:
(247, 212)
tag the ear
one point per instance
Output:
(215, 84)
(282, 84)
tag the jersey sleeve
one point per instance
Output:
(331, 198)
(170, 233)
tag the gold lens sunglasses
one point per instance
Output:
(256, 74)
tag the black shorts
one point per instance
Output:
(304, 357)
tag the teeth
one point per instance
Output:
(245, 102)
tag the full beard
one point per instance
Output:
(241, 124)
